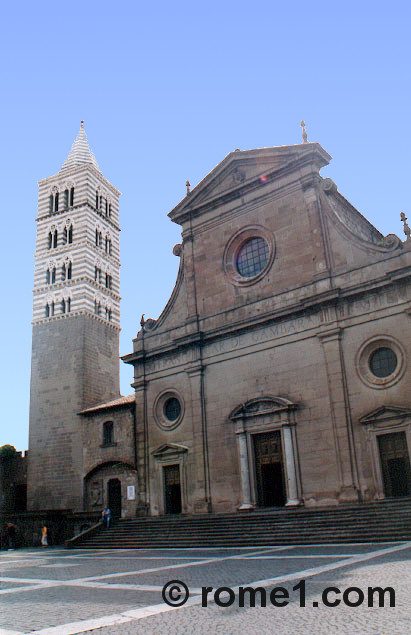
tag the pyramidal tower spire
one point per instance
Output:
(80, 153)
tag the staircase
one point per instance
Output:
(374, 522)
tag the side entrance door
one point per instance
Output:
(395, 464)
(172, 489)
(269, 469)
(114, 497)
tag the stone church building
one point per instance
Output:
(277, 374)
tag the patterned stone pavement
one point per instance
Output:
(58, 592)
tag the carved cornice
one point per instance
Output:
(262, 406)
(386, 414)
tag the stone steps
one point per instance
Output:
(374, 522)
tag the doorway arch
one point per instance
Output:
(112, 484)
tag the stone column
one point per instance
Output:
(244, 471)
(290, 470)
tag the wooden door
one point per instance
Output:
(395, 464)
(269, 469)
(172, 489)
(114, 497)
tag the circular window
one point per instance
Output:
(383, 362)
(172, 409)
(168, 410)
(380, 362)
(252, 257)
(248, 255)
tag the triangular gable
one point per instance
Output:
(385, 413)
(169, 448)
(237, 173)
(248, 168)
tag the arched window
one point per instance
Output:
(108, 314)
(51, 275)
(109, 210)
(108, 245)
(52, 238)
(66, 270)
(71, 196)
(99, 238)
(106, 207)
(97, 274)
(97, 307)
(54, 200)
(108, 433)
(47, 310)
(99, 201)
(66, 305)
(52, 309)
(68, 234)
(108, 281)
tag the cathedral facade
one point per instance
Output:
(276, 374)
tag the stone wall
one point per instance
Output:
(74, 365)
(60, 525)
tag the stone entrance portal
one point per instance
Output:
(395, 464)
(172, 489)
(267, 452)
(269, 470)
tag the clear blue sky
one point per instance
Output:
(166, 91)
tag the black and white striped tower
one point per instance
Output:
(76, 322)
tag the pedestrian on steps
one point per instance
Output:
(44, 541)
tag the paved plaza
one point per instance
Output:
(59, 592)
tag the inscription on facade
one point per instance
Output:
(285, 327)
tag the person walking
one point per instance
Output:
(44, 541)
(106, 516)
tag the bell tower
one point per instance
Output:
(76, 322)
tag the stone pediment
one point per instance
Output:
(262, 406)
(248, 169)
(234, 175)
(386, 414)
(169, 449)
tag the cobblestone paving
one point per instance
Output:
(57, 592)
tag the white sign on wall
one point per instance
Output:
(131, 492)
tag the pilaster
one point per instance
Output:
(340, 414)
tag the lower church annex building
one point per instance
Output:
(276, 375)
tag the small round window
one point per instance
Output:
(172, 409)
(383, 362)
(252, 257)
